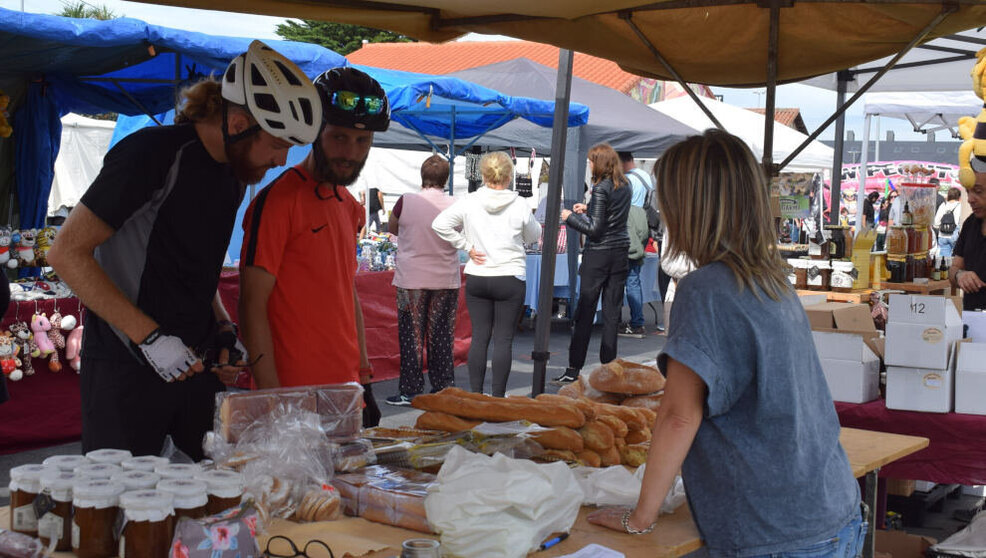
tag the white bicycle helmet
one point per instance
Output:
(276, 93)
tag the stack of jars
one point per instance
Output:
(832, 269)
(907, 253)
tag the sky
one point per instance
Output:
(816, 104)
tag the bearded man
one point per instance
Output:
(144, 249)
(298, 301)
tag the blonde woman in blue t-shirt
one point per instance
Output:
(747, 416)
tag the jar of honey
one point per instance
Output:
(55, 523)
(96, 503)
(188, 496)
(149, 524)
(25, 485)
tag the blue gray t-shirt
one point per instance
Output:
(766, 472)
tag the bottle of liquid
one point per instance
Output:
(935, 271)
(906, 218)
(943, 270)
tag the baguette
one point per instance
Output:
(597, 436)
(635, 418)
(610, 457)
(639, 436)
(434, 420)
(560, 438)
(618, 427)
(621, 376)
(589, 458)
(500, 409)
(587, 409)
(634, 455)
(652, 401)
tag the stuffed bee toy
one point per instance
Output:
(973, 130)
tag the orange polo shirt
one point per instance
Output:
(304, 234)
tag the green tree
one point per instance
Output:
(82, 10)
(340, 37)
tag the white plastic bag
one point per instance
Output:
(616, 486)
(498, 507)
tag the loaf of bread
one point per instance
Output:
(557, 455)
(609, 457)
(384, 494)
(319, 505)
(621, 376)
(497, 409)
(597, 436)
(639, 436)
(587, 409)
(652, 401)
(634, 455)
(435, 420)
(618, 427)
(581, 388)
(560, 438)
(636, 418)
(338, 406)
(589, 458)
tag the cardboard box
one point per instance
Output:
(976, 324)
(811, 299)
(921, 389)
(899, 544)
(921, 331)
(900, 487)
(850, 366)
(840, 315)
(970, 378)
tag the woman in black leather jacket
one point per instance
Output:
(604, 257)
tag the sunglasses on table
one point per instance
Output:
(280, 546)
(354, 102)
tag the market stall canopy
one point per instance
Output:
(80, 157)
(942, 64)
(928, 111)
(715, 42)
(614, 117)
(749, 126)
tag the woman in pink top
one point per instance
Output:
(427, 281)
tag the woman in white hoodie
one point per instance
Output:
(495, 225)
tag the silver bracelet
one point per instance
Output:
(625, 521)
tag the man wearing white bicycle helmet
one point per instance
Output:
(298, 298)
(144, 248)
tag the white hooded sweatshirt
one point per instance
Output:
(495, 222)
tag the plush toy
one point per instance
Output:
(45, 237)
(5, 128)
(25, 247)
(57, 340)
(40, 327)
(5, 258)
(973, 130)
(9, 362)
(24, 340)
(73, 348)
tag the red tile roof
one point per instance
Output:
(790, 117)
(445, 58)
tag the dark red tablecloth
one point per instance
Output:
(956, 454)
(44, 409)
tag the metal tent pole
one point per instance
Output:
(861, 174)
(835, 189)
(768, 125)
(559, 135)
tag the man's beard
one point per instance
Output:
(324, 172)
(239, 160)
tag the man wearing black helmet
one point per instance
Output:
(144, 248)
(298, 298)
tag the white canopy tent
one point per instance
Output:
(749, 126)
(80, 157)
(926, 111)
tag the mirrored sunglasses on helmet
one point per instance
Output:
(354, 102)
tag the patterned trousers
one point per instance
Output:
(426, 318)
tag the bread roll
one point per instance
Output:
(597, 436)
(589, 458)
(559, 437)
(609, 457)
(621, 376)
(434, 420)
(618, 427)
(639, 436)
(634, 455)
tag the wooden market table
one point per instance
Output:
(931, 287)
(676, 534)
(857, 296)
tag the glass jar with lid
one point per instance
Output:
(55, 503)
(897, 241)
(97, 470)
(96, 503)
(66, 463)
(137, 480)
(148, 524)
(188, 496)
(25, 485)
(178, 470)
(114, 456)
(225, 490)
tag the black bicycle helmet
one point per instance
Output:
(353, 99)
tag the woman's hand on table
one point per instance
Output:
(476, 256)
(612, 518)
(564, 214)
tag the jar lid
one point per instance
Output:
(96, 489)
(187, 493)
(178, 470)
(66, 463)
(146, 500)
(97, 470)
(896, 258)
(59, 483)
(115, 456)
(144, 462)
(27, 477)
(221, 479)
(136, 479)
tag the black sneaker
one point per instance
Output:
(399, 401)
(630, 331)
(570, 375)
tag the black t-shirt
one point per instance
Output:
(971, 247)
(173, 208)
(374, 200)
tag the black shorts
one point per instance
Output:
(126, 405)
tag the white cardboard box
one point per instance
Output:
(977, 326)
(970, 378)
(851, 368)
(921, 389)
(921, 331)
